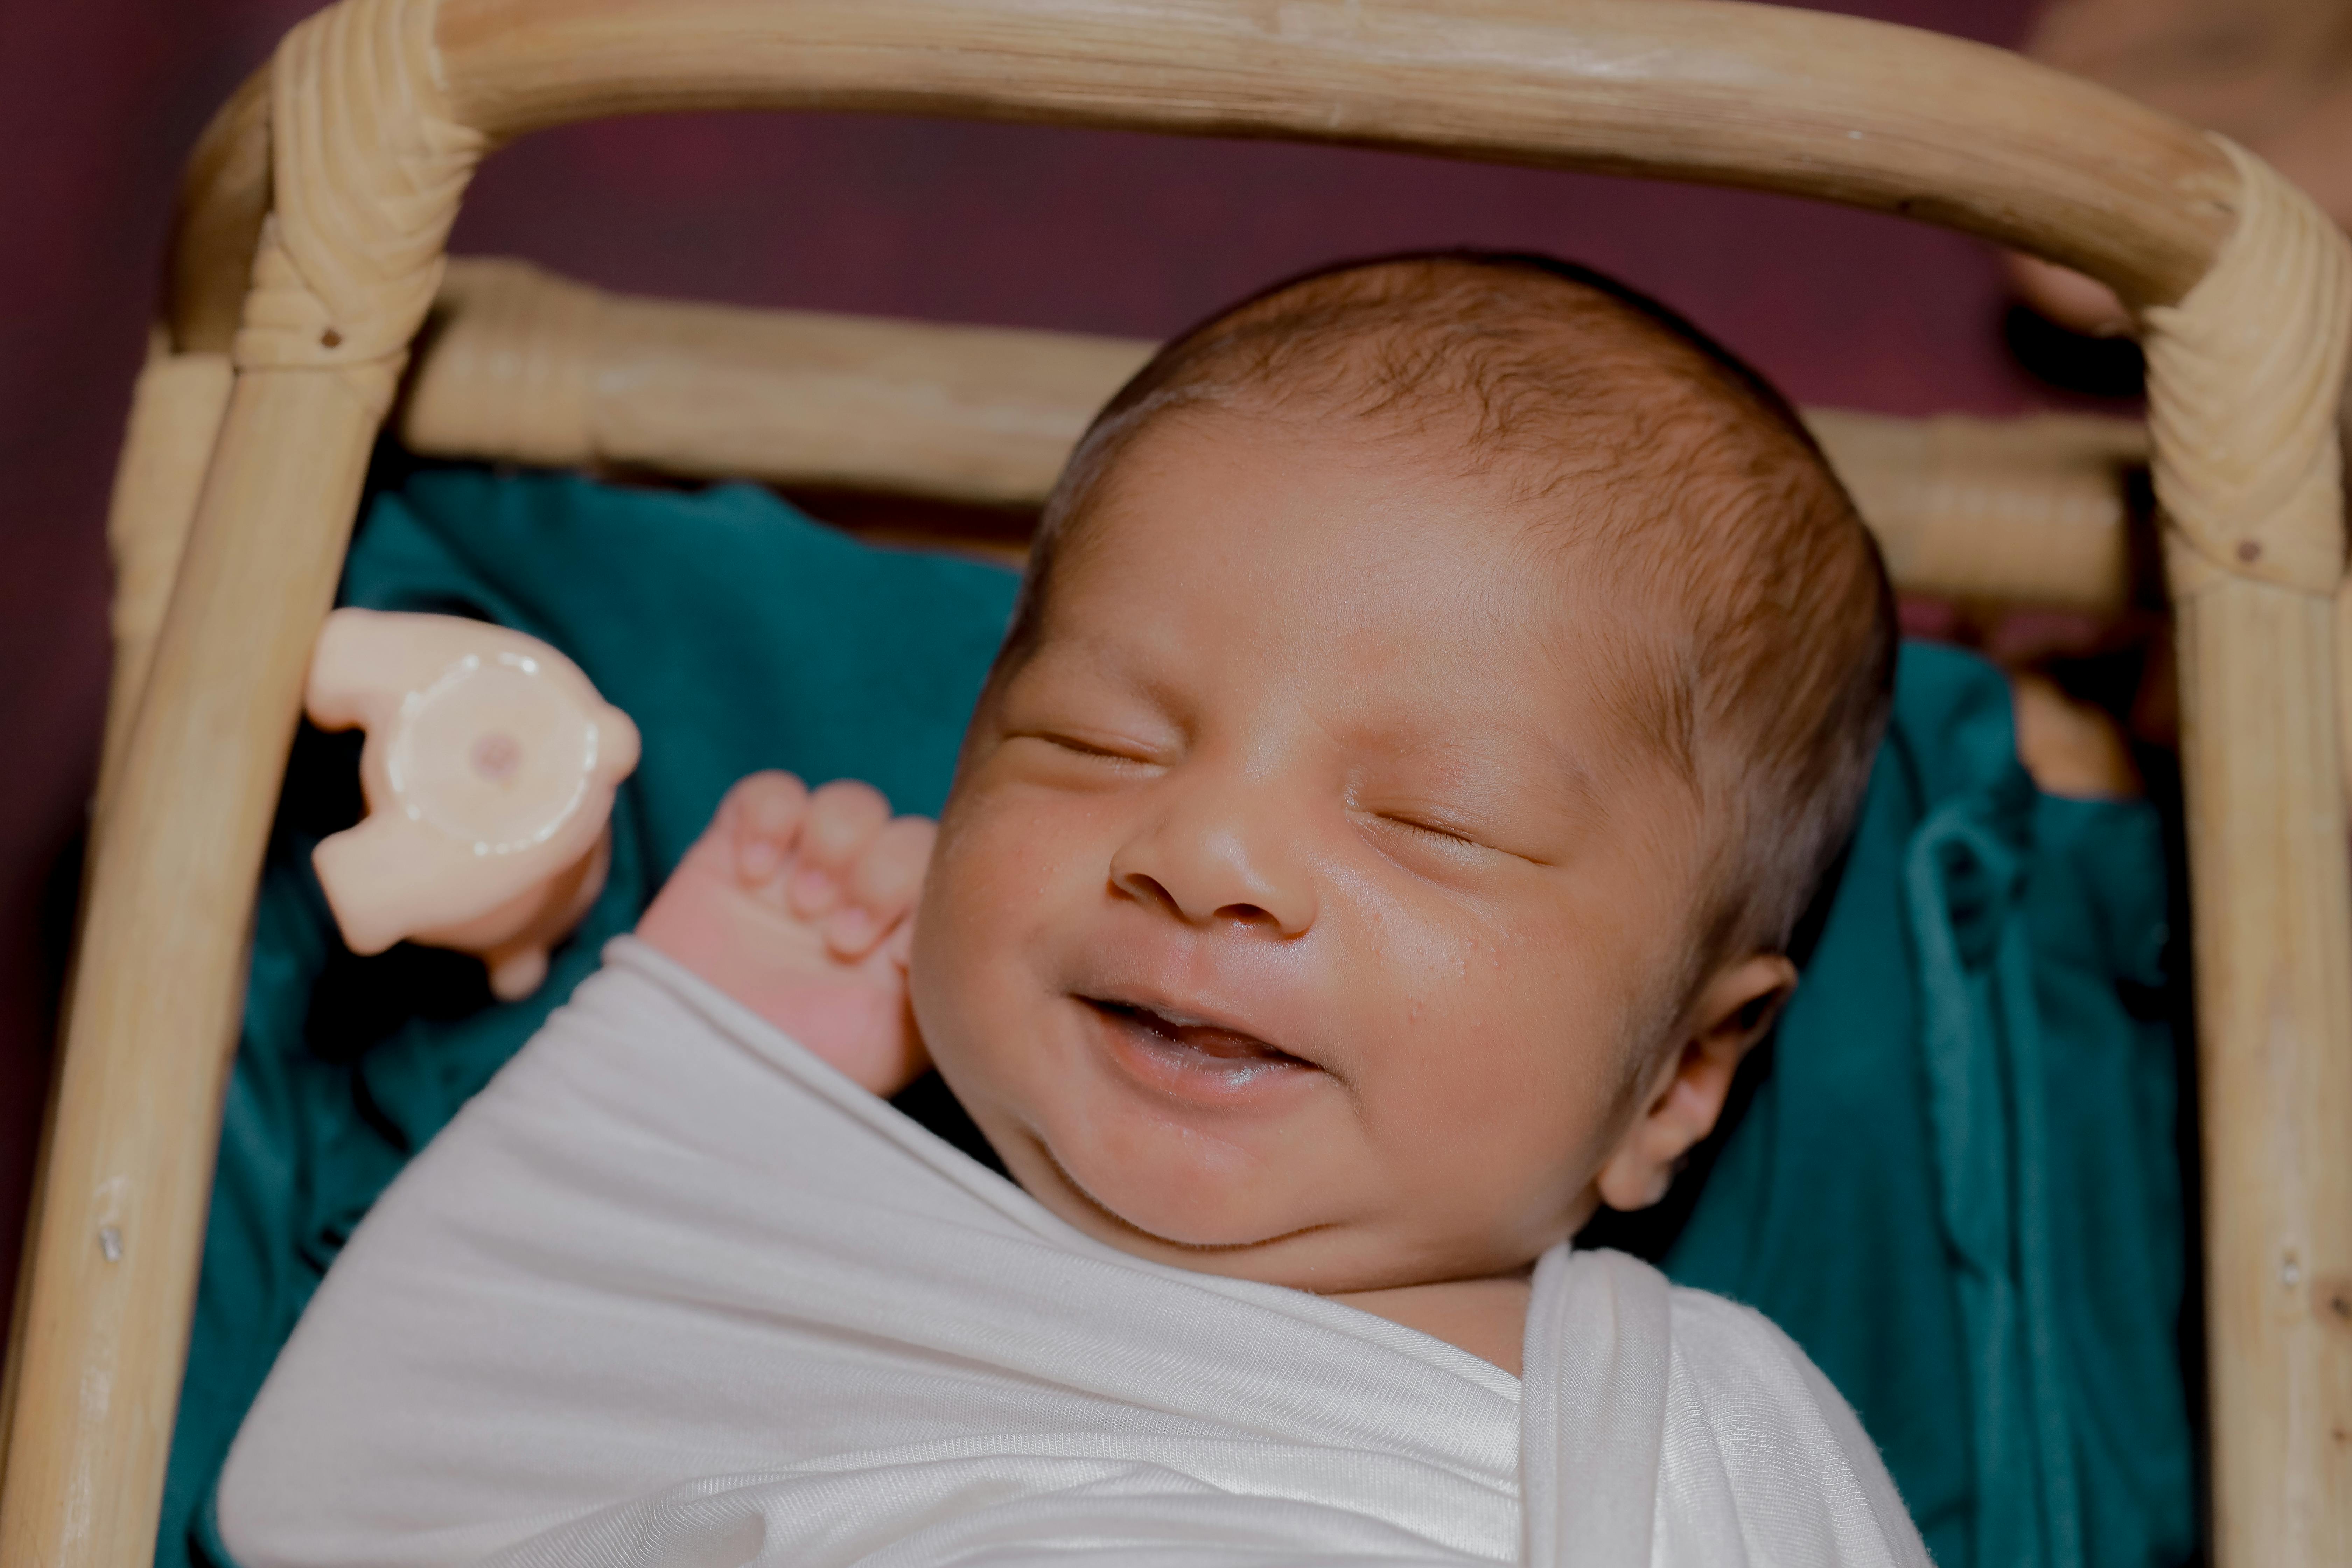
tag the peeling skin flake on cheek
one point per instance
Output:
(1263, 936)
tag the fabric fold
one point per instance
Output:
(671, 1290)
(1594, 1407)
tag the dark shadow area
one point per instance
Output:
(54, 927)
(2104, 368)
(2159, 770)
(929, 1102)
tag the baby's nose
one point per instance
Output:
(1216, 875)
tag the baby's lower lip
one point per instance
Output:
(1193, 1059)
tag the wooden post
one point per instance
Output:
(160, 975)
(2267, 855)
(2246, 381)
(177, 411)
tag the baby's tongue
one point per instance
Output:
(1221, 1044)
(1207, 1039)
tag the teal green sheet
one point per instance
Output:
(1952, 1177)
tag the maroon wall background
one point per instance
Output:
(99, 100)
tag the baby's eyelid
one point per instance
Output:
(1465, 836)
(1435, 829)
(1105, 747)
(1429, 828)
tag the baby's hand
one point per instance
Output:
(800, 905)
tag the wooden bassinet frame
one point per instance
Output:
(517, 364)
(309, 255)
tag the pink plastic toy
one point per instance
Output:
(490, 770)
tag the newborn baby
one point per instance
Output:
(1438, 690)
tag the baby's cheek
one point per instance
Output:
(996, 877)
(1512, 1042)
(953, 940)
(1007, 841)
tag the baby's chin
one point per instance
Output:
(1201, 1220)
(1198, 1197)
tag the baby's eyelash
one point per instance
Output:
(1077, 746)
(1430, 829)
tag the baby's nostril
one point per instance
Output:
(1146, 889)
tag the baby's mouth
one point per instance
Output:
(1192, 1048)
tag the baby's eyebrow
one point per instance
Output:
(1111, 661)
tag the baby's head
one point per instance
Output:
(1440, 687)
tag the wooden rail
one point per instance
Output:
(519, 365)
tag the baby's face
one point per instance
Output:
(1301, 913)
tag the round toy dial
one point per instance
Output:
(493, 753)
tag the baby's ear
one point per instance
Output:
(1685, 1095)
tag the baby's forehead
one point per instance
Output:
(1543, 535)
(1470, 608)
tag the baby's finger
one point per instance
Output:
(889, 874)
(882, 886)
(763, 813)
(843, 818)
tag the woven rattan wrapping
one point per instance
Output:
(368, 169)
(2243, 396)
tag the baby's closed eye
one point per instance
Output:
(1107, 747)
(1083, 760)
(1463, 817)
(1428, 842)
(1429, 826)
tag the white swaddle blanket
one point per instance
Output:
(672, 1291)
